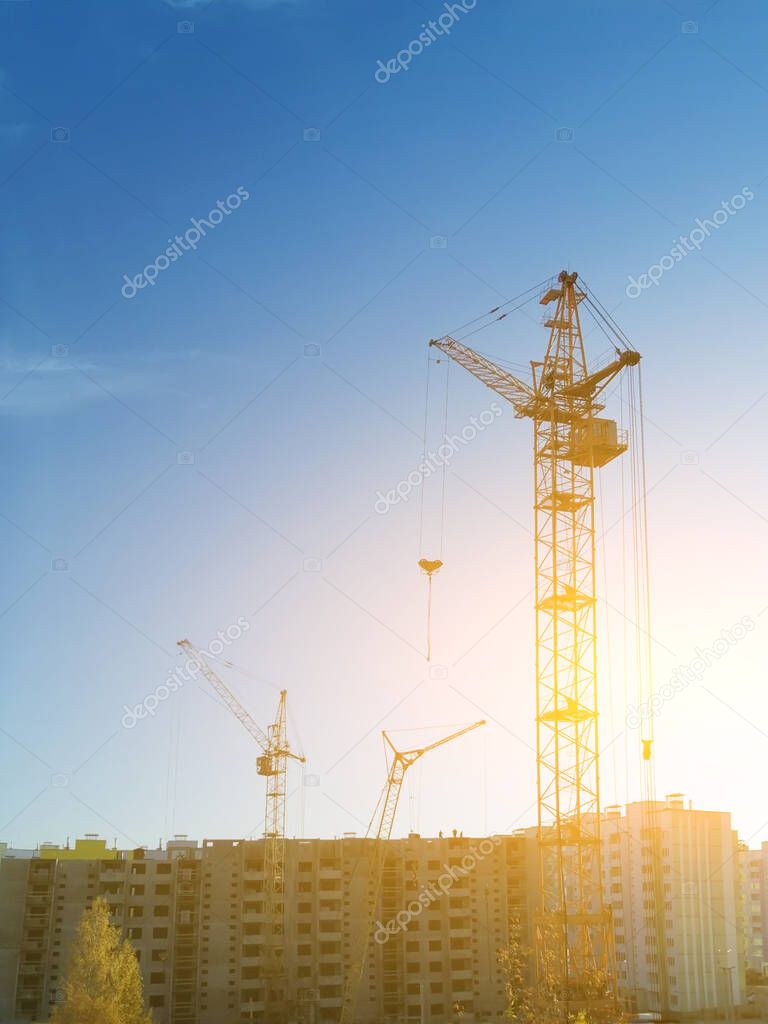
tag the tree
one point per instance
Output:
(544, 1004)
(103, 982)
(513, 960)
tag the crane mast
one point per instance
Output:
(573, 941)
(401, 761)
(272, 764)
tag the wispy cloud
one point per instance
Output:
(51, 386)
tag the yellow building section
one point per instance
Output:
(84, 849)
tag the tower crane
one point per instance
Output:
(575, 962)
(273, 765)
(401, 761)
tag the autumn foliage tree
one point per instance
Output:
(545, 1004)
(103, 982)
(513, 961)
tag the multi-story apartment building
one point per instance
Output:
(686, 862)
(195, 917)
(753, 865)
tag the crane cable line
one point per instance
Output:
(652, 917)
(495, 320)
(445, 464)
(607, 317)
(534, 288)
(432, 566)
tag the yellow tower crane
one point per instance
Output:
(401, 761)
(273, 765)
(575, 963)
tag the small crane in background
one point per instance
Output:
(401, 761)
(273, 765)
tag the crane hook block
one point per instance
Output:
(430, 567)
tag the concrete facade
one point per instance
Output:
(195, 915)
(753, 865)
(699, 878)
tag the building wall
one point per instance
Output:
(13, 888)
(764, 900)
(699, 879)
(751, 867)
(195, 917)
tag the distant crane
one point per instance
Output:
(575, 961)
(273, 765)
(401, 761)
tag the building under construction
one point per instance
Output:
(197, 918)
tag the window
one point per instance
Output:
(159, 933)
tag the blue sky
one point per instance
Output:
(213, 447)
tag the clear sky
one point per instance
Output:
(212, 446)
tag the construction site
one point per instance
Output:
(652, 912)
